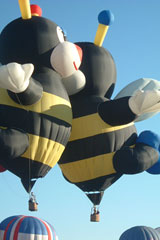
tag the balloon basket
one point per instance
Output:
(33, 206)
(95, 217)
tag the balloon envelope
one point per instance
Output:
(26, 228)
(140, 233)
(158, 230)
(45, 115)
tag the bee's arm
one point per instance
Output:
(31, 95)
(116, 112)
(135, 160)
(143, 156)
(22, 88)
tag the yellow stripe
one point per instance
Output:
(1, 127)
(44, 150)
(91, 125)
(89, 168)
(49, 104)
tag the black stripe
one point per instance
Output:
(86, 105)
(98, 144)
(35, 123)
(98, 184)
(25, 168)
(116, 112)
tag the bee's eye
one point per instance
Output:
(60, 34)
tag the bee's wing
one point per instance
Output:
(140, 84)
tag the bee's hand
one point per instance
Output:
(145, 102)
(15, 77)
(151, 139)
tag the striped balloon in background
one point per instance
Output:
(140, 233)
(26, 228)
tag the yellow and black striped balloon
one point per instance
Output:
(87, 160)
(43, 110)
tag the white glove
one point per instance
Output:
(15, 77)
(145, 101)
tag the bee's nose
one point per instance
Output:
(66, 58)
(79, 49)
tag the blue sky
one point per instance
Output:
(134, 42)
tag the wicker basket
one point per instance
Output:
(33, 206)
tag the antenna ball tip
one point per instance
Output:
(106, 17)
(35, 9)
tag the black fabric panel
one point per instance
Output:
(30, 96)
(99, 69)
(35, 123)
(25, 168)
(13, 143)
(49, 127)
(136, 160)
(116, 112)
(95, 198)
(98, 184)
(98, 144)
(83, 106)
(51, 82)
(28, 184)
(26, 41)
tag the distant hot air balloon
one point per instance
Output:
(158, 230)
(140, 233)
(26, 228)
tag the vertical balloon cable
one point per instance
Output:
(25, 9)
(29, 163)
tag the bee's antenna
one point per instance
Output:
(25, 9)
(105, 19)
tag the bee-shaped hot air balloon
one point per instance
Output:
(35, 108)
(103, 143)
